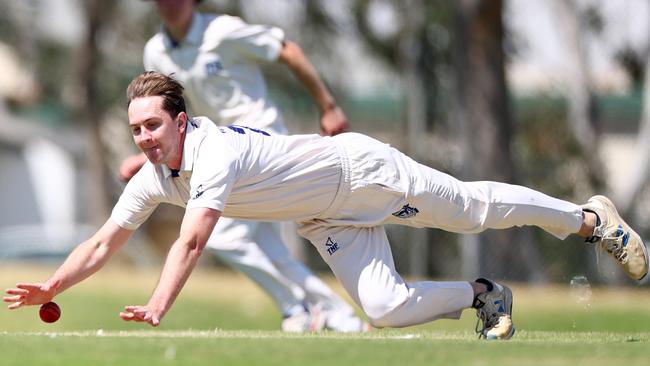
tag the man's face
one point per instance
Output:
(174, 11)
(156, 133)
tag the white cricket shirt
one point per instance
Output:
(243, 172)
(218, 63)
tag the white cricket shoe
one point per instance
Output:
(345, 323)
(494, 309)
(616, 237)
(304, 322)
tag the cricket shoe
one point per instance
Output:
(615, 237)
(308, 321)
(494, 309)
(345, 323)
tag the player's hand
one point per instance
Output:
(333, 122)
(140, 313)
(130, 166)
(29, 294)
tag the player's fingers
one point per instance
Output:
(138, 311)
(15, 305)
(29, 286)
(154, 321)
(128, 316)
(12, 298)
(16, 291)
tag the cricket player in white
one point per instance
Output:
(217, 58)
(341, 190)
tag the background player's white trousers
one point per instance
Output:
(378, 183)
(257, 250)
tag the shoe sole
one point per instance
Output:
(506, 289)
(610, 205)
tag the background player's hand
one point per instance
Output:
(333, 122)
(130, 166)
(140, 313)
(29, 294)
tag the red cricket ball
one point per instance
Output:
(49, 312)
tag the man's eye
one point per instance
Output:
(135, 131)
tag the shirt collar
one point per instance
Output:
(194, 35)
(192, 140)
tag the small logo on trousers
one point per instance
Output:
(406, 212)
(331, 245)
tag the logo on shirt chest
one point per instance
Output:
(213, 68)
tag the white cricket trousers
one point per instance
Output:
(381, 185)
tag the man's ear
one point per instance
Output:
(181, 119)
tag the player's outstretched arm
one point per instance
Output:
(333, 120)
(182, 258)
(85, 259)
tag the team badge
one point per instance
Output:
(198, 192)
(213, 68)
(406, 212)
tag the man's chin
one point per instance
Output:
(154, 159)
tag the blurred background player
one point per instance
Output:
(217, 58)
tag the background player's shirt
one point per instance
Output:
(218, 63)
(243, 172)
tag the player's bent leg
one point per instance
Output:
(614, 236)
(362, 261)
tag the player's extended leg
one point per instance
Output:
(362, 261)
(438, 200)
(339, 315)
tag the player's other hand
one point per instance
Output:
(29, 294)
(130, 166)
(333, 121)
(140, 313)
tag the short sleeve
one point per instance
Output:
(151, 52)
(136, 203)
(216, 167)
(257, 42)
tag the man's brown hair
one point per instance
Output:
(151, 83)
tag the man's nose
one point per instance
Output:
(145, 136)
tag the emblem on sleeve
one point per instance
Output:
(198, 192)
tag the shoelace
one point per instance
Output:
(488, 321)
(614, 242)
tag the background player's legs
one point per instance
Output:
(362, 260)
(339, 314)
(231, 241)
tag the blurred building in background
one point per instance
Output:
(40, 189)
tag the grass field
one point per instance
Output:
(222, 319)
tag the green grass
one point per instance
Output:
(220, 318)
